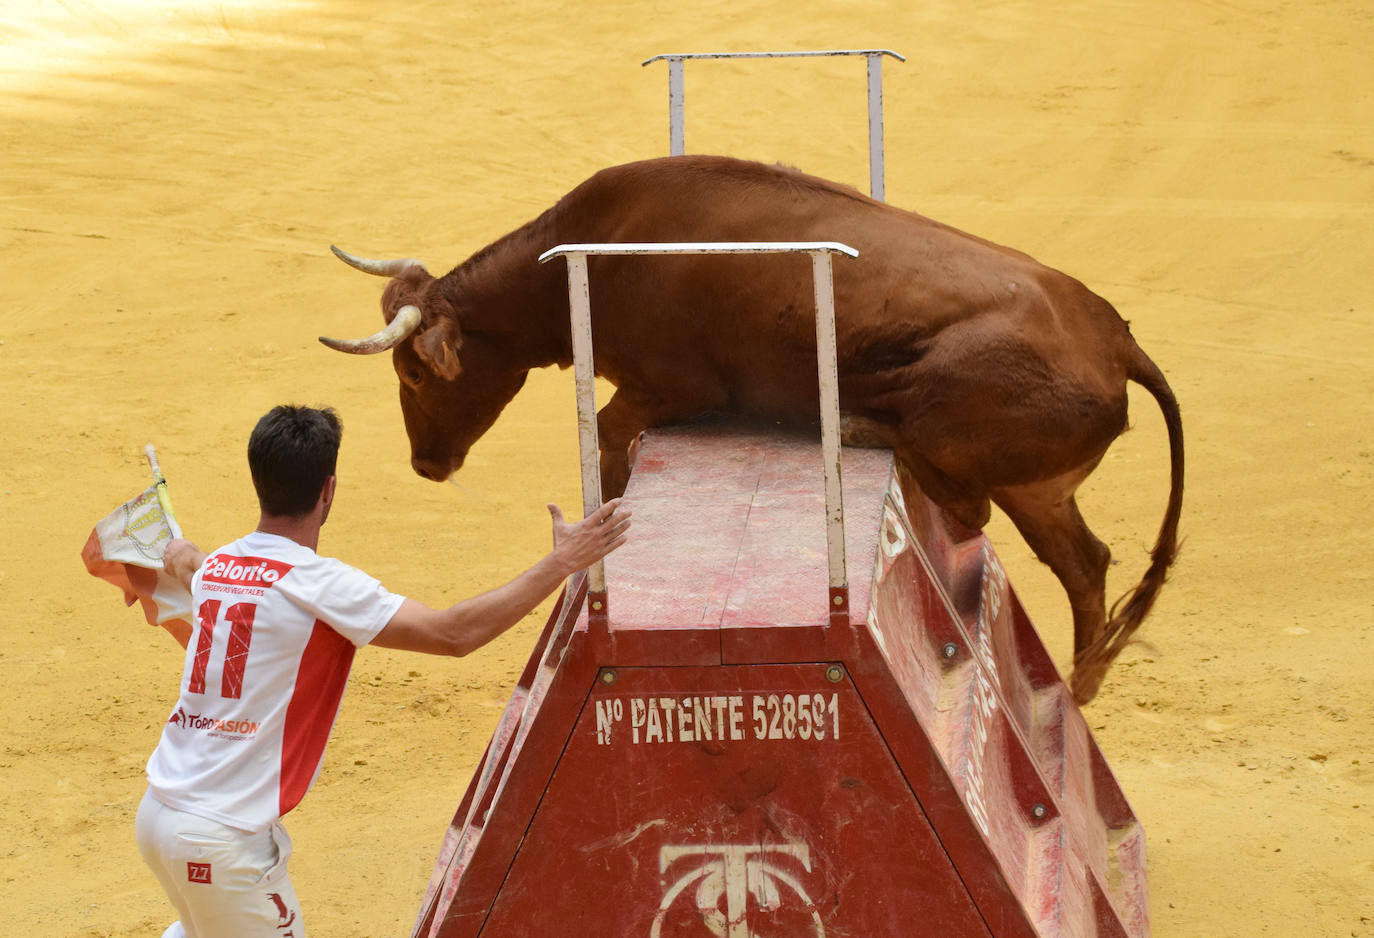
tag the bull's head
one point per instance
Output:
(451, 391)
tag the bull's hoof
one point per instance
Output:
(1086, 681)
(1089, 670)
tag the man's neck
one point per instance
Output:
(304, 530)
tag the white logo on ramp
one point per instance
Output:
(727, 876)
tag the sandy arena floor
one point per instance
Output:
(172, 173)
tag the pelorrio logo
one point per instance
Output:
(244, 571)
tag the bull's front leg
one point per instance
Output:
(619, 425)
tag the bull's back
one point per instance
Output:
(742, 326)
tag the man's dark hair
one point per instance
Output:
(292, 452)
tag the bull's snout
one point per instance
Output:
(436, 470)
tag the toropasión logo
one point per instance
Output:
(214, 725)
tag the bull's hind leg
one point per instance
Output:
(1047, 516)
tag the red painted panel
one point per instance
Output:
(1025, 766)
(729, 801)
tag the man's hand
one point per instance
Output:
(472, 623)
(577, 546)
(181, 559)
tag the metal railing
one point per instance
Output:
(584, 370)
(677, 98)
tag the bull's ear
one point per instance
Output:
(438, 347)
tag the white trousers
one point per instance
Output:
(224, 883)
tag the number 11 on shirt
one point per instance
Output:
(240, 619)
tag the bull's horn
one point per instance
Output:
(380, 268)
(407, 318)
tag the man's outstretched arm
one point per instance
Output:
(470, 624)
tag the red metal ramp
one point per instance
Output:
(725, 759)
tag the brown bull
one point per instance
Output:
(991, 376)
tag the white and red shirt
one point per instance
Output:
(276, 626)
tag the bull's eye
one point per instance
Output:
(413, 375)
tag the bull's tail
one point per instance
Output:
(1130, 610)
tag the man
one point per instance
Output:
(275, 630)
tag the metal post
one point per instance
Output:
(677, 99)
(827, 369)
(584, 372)
(823, 286)
(676, 108)
(876, 183)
